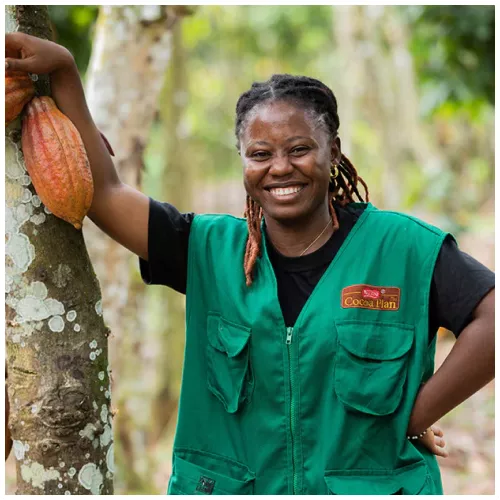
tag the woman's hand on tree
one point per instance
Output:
(433, 440)
(34, 55)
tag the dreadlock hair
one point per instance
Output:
(319, 100)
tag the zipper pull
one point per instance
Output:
(289, 332)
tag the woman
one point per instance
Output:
(311, 324)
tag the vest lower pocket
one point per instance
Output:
(371, 365)
(410, 480)
(229, 376)
(200, 473)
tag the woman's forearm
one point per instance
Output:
(469, 366)
(68, 94)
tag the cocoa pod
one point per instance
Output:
(19, 90)
(56, 160)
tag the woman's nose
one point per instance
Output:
(281, 165)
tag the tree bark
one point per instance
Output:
(56, 340)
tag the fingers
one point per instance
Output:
(439, 442)
(441, 452)
(17, 64)
(437, 430)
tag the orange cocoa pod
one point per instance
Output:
(19, 90)
(56, 160)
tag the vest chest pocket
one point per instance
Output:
(229, 376)
(371, 365)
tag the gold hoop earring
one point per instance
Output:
(334, 173)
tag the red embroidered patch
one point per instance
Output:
(380, 298)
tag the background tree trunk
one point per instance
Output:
(58, 383)
(132, 50)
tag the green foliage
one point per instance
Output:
(454, 55)
(73, 28)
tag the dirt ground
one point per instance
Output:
(469, 433)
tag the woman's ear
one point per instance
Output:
(336, 149)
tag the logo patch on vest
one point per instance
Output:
(205, 485)
(379, 298)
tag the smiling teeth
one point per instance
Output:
(285, 191)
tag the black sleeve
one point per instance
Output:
(458, 285)
(168, 236)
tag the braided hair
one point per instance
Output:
(319, 100)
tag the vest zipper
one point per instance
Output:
(289, 333)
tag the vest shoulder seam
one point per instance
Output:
(425, 225)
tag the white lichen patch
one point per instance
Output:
(88, 431)
(19, 450)
(95, 443)
(32, 308)
(16, 338)
(71, 316)
(38, 218)
(90, 478)
(60, 486)
(110, 458)
(25, 180)
(54, 306)
(34, 408)
(36, 200)
(37, 475)
(94, 404)
(93, 344)
(92, 356)
(71, 471)
(67, 492)
(62, 464)
(100, 375)
(38, 289)
(77, 327)
(26, 196)
(56, 324)
(46, 210)
(14, 168)
(87, 455)
(98, 307)
(21, 251)
(107, 394)
(104, 414)
(106, 437)
(12, 301)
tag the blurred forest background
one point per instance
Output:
(415, 87)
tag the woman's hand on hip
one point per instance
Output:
(434, 441)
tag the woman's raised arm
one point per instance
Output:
(119, 210)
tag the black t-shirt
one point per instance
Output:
(458, 284)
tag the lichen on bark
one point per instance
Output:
(54, 389)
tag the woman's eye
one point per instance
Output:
(300, 150)
(260, 155)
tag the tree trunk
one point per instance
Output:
(126, 73)
(58, 374)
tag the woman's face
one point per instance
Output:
(287, 161)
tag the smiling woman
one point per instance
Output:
(311, 322)
(287, 136)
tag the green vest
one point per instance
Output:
(321, 408)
